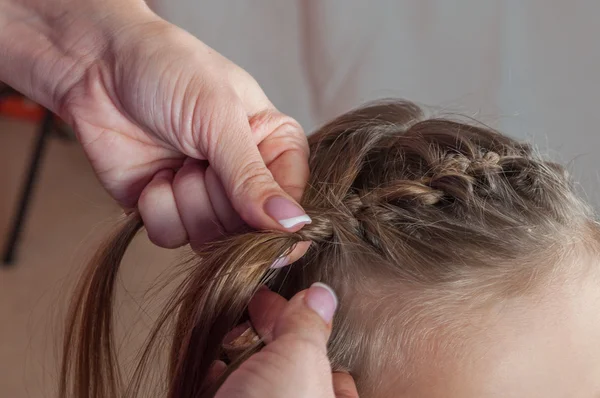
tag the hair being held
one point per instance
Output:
(421, 226)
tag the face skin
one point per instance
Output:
(542, 347)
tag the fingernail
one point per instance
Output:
(322, 299)
(286, 212)
(239, 340)
(280, 262)
(236, 332)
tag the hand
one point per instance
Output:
(169, 125)
(294, 362)
(165, 103)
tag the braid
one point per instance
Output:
(411, 179)
(411, 219)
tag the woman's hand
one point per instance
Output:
(294, 362)
(169, 125)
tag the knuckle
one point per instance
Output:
(166, 237)
(153, 194)
(167, 241)
(153, 206)
(294, 142)
(215, 113)
(189, 175)
(293, 133)
(280, 128)
(253, 176)
(295, 130)
(158, 239)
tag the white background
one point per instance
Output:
(526, 67)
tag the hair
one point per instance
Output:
(417, 223)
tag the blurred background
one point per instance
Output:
(528, 68)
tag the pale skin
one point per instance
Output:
(542, 346)
(170, 126)
(291, 330)
(153, 106)
(181, 134)
(549, 348)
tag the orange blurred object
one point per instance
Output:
(21, 108)
(18, 107)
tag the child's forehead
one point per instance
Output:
(551, 346)
(528, 347)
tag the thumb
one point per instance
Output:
(308, 316)
(344, 385)
(302, 331)
(250, 186)
(295, 362)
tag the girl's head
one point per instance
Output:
(465, 263)
(465, 266)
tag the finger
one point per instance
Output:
(265, 121)
(250, 186)
(297, 252)
(194, 204)
(285, 151)
(344, 386)
(241, 336)
(295, 362)
(290, 170)
(222, 206)
(308, 316)
(239, 340)
(264, 310)
(159, 212)
(215, 371)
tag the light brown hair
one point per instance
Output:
(416, 223)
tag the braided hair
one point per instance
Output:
(412, 218)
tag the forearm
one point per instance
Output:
(46, 46)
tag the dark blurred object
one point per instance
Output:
(13, 104)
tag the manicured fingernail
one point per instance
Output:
(263, 287)
(239, 340)
(280, 262)
(286, 212)
(322, 299)
(236, 332)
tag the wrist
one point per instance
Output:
(46, 46)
